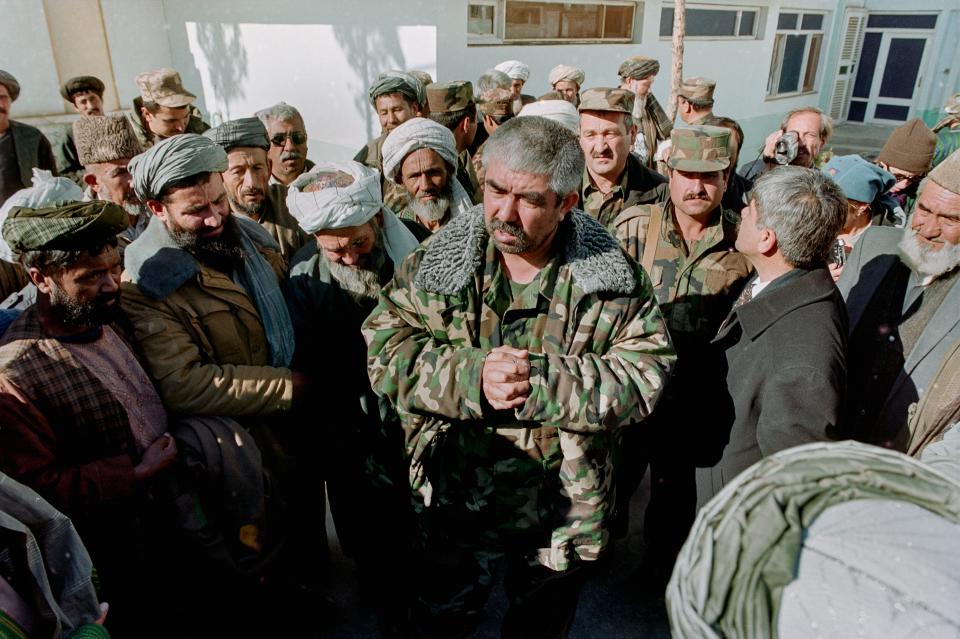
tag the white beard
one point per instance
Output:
(925, 261)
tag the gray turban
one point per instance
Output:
(242, 132)
(398, 82)
(172, 160)
(639, 67)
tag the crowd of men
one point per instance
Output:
(475, 338)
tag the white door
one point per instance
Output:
(893, 58)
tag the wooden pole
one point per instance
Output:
(676, 72)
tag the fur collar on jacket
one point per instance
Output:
(594, 257)
(159, 267)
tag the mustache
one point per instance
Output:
(701, 195)
(602, 154)
(291, 155)
(254, 190)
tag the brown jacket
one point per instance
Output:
(12, 278)
(200, 332)
(283, 227)
(939, 407)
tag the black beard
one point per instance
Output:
(92, 314)
(221, 253)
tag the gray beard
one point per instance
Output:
(431, 210)
(925, 262)
(250, 210)
(361, 284)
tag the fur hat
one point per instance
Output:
(104, 138)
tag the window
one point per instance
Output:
(703, 22)
(796, 53)
(526, 22)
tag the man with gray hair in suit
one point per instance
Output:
(903, 298)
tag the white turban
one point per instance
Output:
(46, 191)
(560, 111)
(422, 133)
(343, 204)
(564, 73)
(515, 69)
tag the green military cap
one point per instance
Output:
(700, 149)
(81, 84)
(495, 102)
(698, 90)
(446, 97)
(607, 99)
(70, 227)
(163, 86)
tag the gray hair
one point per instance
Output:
(826, 124)
(279, 111)
(492, 79)
(539, 146)
(806, 210)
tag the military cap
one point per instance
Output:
(607, 99)
(13, 87)
(69, 227)
(104, 138)
(496, 102)
(447, 97)
(81, 84)
(698, 90)
(638, 67)
(248, 132)
(163, 87)
(700, 149)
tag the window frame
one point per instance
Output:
(774, 74)
(759, 16)
(498, 38)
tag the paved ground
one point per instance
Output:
(863, 139)
(610, 606)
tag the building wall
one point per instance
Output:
(239, 56)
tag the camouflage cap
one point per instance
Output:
(446, 97)
(495, 102)
(607, 99)
(698, 89)
(953, 104)
(163, 86)
(700, 149)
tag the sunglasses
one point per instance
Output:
(281, 138)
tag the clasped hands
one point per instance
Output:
(506, 377)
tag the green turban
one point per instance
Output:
(71, 227)
(243, 132)
(638, 67)
(175, 159)
(398, 82)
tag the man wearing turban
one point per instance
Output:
(566, 81)
(519, 73)
(421, 155)
(22, 147)
(247, 181)
(637, 74)
(202, 288)
(334, 283)
(82, 422)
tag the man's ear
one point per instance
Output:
(145, 113)
(569, 202)
(90, 180)
(767, 242)
(41, 281)
(156, 207)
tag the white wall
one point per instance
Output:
(25, 52)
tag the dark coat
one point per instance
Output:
(784, 358)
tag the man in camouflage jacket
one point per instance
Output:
(526, 474)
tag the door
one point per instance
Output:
(892, 60)
(855, 22)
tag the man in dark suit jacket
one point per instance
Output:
(903, 298)
(783, 345)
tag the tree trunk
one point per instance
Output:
(676, 72)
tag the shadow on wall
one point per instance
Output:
(226, 59)
(369, 50)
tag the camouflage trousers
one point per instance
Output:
(458, 561)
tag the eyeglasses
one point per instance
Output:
(909, 179)
(281, 138)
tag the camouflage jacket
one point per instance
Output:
(599, 353)
(696, 284)
(638, 185)
(146, 137)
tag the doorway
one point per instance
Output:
(891, 69)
